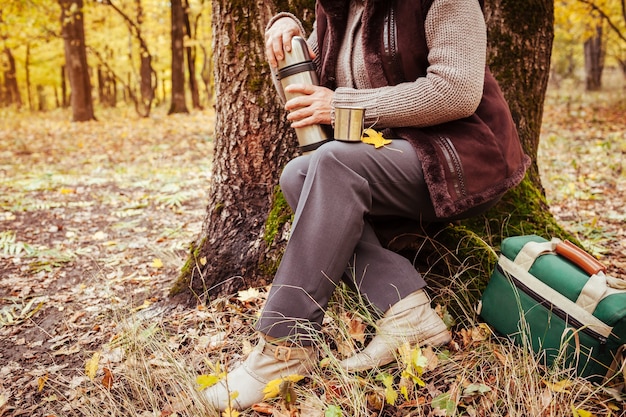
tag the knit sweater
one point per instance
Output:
(453, 87)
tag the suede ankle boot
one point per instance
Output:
(411, 320)
(243, 386)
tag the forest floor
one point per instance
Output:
(95, 219)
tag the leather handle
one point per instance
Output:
(579, 257)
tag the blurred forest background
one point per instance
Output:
(127, 47)
(151, 53)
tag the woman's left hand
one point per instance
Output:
(312, 105)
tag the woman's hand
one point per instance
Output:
(278, 39)
(312, 105)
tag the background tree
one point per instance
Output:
(178, 104)
(594, 48)
(247, 220)
(73, 30)
(191, 52)
(591, 36)
(11, 93)
(147, 74)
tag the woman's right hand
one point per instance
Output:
(278, 39)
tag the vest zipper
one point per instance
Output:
(453, 164)
(390, 42)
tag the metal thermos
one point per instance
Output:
(298, 68)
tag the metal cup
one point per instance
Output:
(349, 123)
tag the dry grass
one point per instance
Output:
(159, 352)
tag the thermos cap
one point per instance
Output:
(299, 53)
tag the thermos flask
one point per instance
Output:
(298, 68)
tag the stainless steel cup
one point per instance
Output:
(349, 123)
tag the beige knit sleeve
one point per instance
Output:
(453, 87)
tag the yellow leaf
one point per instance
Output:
(577, 412)
(372, 137)
(41, 382)
(203, 261)
(390, 393)
(229, 412)
(405, 392)
(157, 263)
(206, 381)
(273, 388)
(561, 386)
(146, 304)
(91, 367)
(413, 359)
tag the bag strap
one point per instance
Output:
(599, 285)
(531, 251)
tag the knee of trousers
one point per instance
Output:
(292, 180)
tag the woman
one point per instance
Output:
(418, 68)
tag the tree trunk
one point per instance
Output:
(191, 59)
(178, 104)
(207, 75)
(73, 31)
(594, 60)
(27, 71)
(242, 237)
(10, 80)
(64, 100)
(246, 220)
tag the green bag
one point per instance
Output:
(555, 296)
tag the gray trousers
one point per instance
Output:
(332, 191)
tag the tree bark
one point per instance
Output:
(73, 30)
(246, 221)
(178, 104)
(13, 96)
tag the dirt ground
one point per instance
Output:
(95, 218)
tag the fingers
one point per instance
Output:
(278, 39)
(298, 89)
(312, 105)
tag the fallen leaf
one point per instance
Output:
(560, 386)
(41, 382)
(229, 412)
(263, 408)
(91, 367)
(107, 380)
(275, 387)
(333, 411)
(206, 381)
(356, 328)
(251, 294)
(577, 412)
